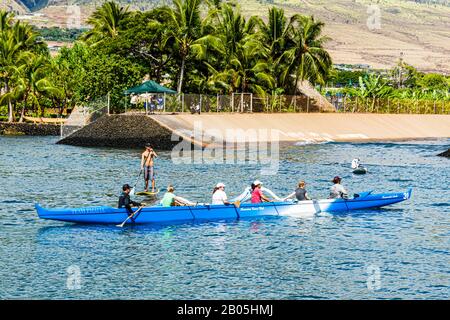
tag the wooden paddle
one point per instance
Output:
(129, 217)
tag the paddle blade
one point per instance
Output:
(237, 204)
(133, 191)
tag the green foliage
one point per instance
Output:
(108, 74)
(433, 81)
(59, 34)
(24, 61)
(346, 78)
(402, 82)
(107, 22)
(195, 46)
(213, 51)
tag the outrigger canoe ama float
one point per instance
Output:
(162, 215)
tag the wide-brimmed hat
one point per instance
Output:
(219, 185)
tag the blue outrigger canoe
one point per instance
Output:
(162, 215)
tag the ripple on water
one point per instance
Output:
(323, 257)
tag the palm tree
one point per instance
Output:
(36, 79)
(15, 40)
(242, 63)
(185, 26)
(248, 69)
(5, 20)
(233, 31)
(275, 32)
(107, 22)
(32, 83)
(9, 50)
(276, 38)
(306, 59)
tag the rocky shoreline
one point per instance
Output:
(29, 129)
(445, 154)
(122, 131)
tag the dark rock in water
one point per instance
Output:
(122, 131)
(29, 129)
(445, 154)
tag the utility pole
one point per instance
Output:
(400, 71)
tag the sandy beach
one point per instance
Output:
(312, 127)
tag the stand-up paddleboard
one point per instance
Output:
(148, 193)
(360, 170)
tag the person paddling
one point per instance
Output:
(356, 163)
(300, 193)
(169, 197)
(125, 201)
(257, 194)
(337, 190)
(219, 195)
(147, 164)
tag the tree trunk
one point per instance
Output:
(180, 80)
(296, 80)
(22, 113)
(10, 106)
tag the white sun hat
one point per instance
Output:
(257, 182)
(220, 184)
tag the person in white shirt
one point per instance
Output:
(219, 195)
(337, 190)
(355, 163)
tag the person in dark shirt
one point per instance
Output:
(300, 193)
(125, 201)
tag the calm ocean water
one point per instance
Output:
(401, 252)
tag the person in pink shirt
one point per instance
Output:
(257, 194)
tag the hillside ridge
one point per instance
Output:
(418, 30)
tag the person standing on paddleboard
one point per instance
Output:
(356, 163)
(147, 164)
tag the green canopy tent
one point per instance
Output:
(150, 87)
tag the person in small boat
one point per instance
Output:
(219, 196)
(257, 194)
(356, 163)
(125, 200)
(300, 193)
(337, 191)
(169, 197)
(147, 164)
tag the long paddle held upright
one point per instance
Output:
(133, 189)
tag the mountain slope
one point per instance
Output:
(420, 31)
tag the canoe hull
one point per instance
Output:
(204, 212)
